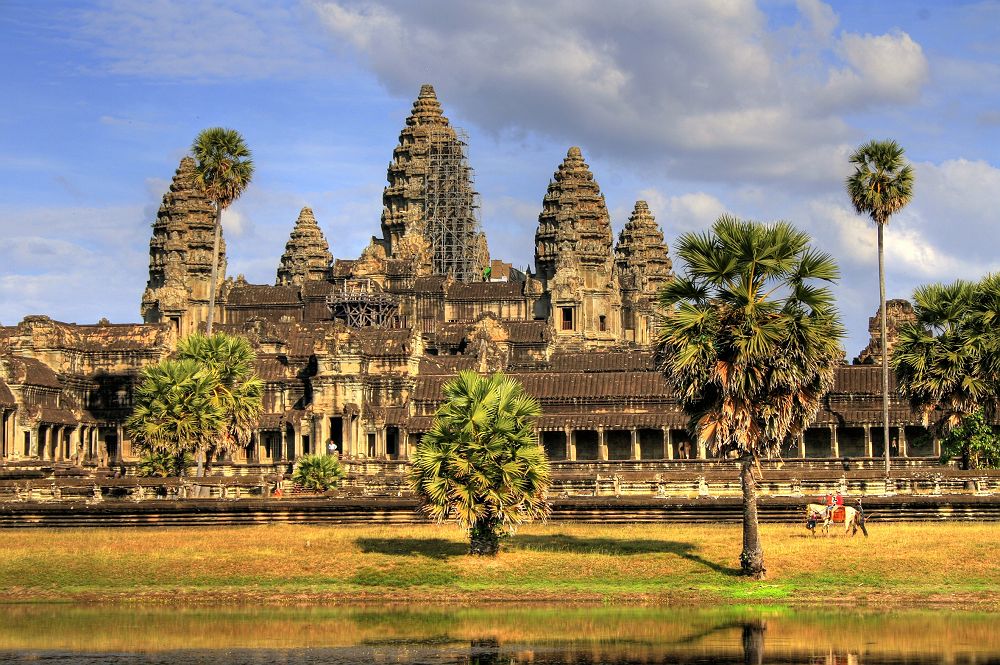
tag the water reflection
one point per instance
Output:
(492, 635)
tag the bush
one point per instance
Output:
(317, 472)
(975, 442)
(160, 464)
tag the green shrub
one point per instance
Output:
(317, 472)
(975, 442)
(160, 464)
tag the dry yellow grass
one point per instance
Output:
(900, 563)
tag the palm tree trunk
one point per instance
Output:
(753, 642)
(885, 345)
(483, 538)
(752, 557)
(215, 267)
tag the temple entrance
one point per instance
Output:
(554, 444)
(371, 444)
(337, 434)
(919, 442)
(651, 444)
(586, 444)
(817, 442)
(392, 442)
(619, 444)
(851, 441)
(111, 444)
(289, 452)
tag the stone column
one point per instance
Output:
(602, 444)
(571, 442)
(404, 443)
(868, 441)
(902, 441)
(120, 452)
(668, 443)
(380, 451)
(324, 433)
(76, 445)
(935, 446)
(636, 453)
(834, 443)
(283, 444)
(346, 440)
(802, 446)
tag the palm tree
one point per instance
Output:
(749, 342)
(481, 463)
(317, 472)
(880, 186)
(948, 361)
(223, 170)
(238, 391)
(175, 410)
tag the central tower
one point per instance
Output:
(430, 207)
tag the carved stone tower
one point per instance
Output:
(307, 255)
(642, 267)
(573, 258)
(898, 313)
(180, 256)
(430, 206)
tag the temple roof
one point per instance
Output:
(307, 255)
(182, 242)
(641, 259)
(426, 109)
(574, 223)
(6, 397)
(263, 294)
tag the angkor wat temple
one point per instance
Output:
(355, 351)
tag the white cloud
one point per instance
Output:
(687, 212)
(703, 90)
(200, 41)
(235, 223)
(881, 69)
(72, 262)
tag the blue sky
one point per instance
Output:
(699, 107)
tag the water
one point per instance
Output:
(540, 635)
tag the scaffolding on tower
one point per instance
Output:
(452, 208)
(363, 305)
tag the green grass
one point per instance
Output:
(650, 564)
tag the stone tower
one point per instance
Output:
(573, 258)
(430, 204)
(307, 254)
(898, 313)
(180, 256)
(642, 267)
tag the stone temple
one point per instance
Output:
(354, 351)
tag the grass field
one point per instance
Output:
(901, 564)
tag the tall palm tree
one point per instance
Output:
(238, 391)
(948, 361)
(481, 463)
(749, 340)
(175, 409)
(224, 169)
(882, 183)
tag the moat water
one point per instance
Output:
(539, 635)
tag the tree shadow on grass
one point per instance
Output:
(440, 548)
(433, 548)
(564, 543)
